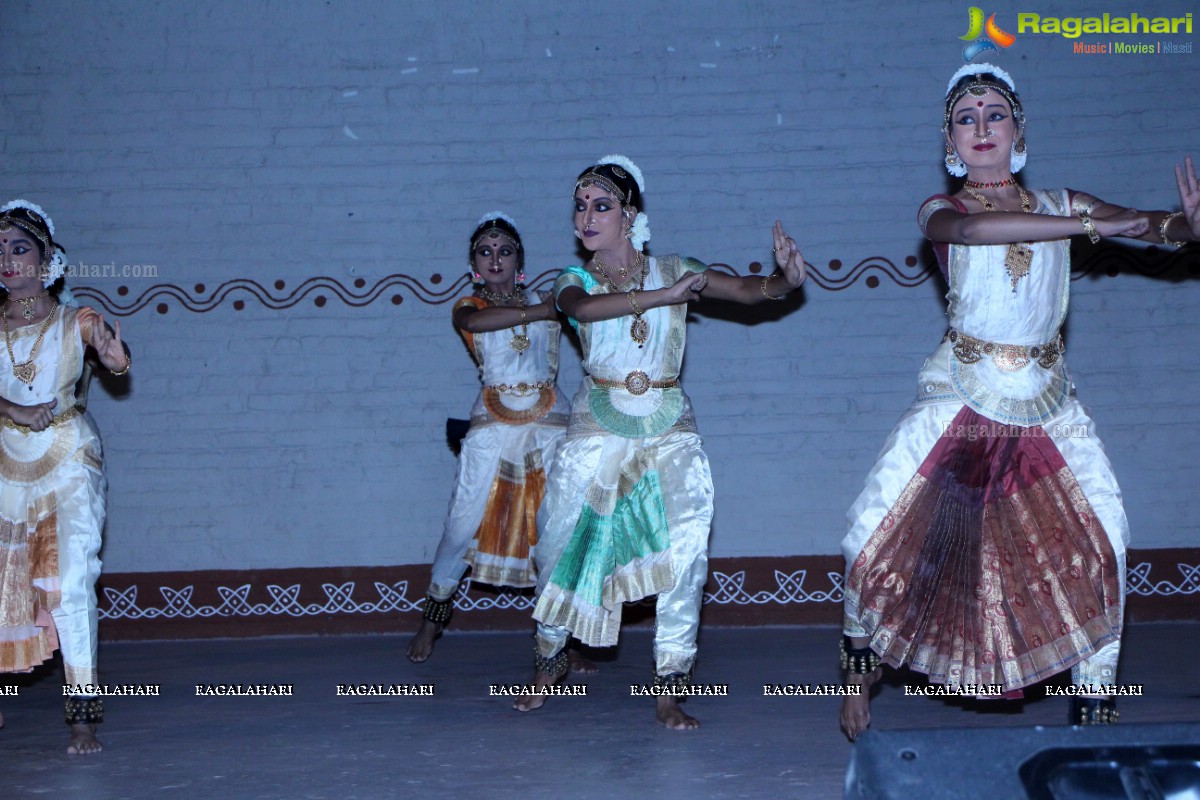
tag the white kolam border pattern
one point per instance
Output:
(340, 597)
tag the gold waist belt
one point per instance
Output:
(69, 414)
(1007, 357)
(521, 389)
(636, 382)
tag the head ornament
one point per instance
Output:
(30, 218)
(987, 77)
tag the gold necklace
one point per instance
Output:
(1019, 256)
(27, 304)
(520, 341)
(639, 329)
(497, 299)
(990, 184)
(26, 371)
(639, 263)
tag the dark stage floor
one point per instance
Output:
(461, 742)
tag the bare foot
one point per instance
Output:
(668, 712)
(578, 663)
(856, 710)
(532, 702)
(83, 740)
(420, 647)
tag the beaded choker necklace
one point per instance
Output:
(990, 184)
(639, 265)
(497, 299)
(27, 303)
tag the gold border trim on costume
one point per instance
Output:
(491, 400)
(30, 471)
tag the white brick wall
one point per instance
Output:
(282, 140)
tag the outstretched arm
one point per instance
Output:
(496, 318)
(1004, 227)
(1162, 227)
(1108, 219)
(1166, 227)
(584, 307)
(789, 273)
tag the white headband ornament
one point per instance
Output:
(13, 204)
(627, 165)
(496, 215)
(979, 69)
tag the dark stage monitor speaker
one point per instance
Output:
(1143, 762)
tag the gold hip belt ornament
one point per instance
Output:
(636, 382)
(69, 414)
(1006, 357)
(521, 389)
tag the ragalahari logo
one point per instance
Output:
(983, 36)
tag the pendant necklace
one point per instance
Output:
(639, 329)
(1019, 256)
(26, 371)
(519, 341)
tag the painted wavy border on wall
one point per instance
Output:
(435, 290)
(340, 598)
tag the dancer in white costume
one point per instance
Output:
(52, 486)
(988, 547)
(517, 422)
(630, 500)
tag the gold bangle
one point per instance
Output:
(1162, 229)
(763, 288)
(637, 312)
(1089, 227)
(128, 364)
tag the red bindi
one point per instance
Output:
(980, 104)
(587, 197)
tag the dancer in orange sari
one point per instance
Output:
(516, 424)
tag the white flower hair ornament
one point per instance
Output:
(56, 268)
(56, 260)
(627, 165)
(639, 234)
(979, 69)
(491, 215)
(34, 207)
